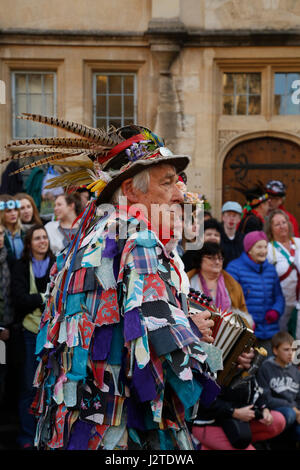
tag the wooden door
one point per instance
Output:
(263, 159)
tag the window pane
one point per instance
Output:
(35, 104)
(128, 84)
(21, 104)
(38, 97)
(291, 77)
(279, 84)
(34, 83)
(21, 128)
(278, 105)
(241, 105)
(101, 105)
(49, 105)
(292, 108)
(20, 83)
(115, 106)
(228, 105)
(241, 83)
(228, 85)
(115, 84)
(238, 89)
(254, 83)
(48, 83)
(254, 105)
(128, 106)
(117, 103)
(101, 84)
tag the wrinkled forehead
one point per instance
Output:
(163, 170)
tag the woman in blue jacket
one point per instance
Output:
(261, 287)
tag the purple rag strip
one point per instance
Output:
(111, 248)
(102, 342)
(143, 383)
(80, 436)
(132, 325)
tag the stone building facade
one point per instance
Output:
(211, 76)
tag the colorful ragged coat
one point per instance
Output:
(118, 355)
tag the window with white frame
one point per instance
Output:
(284, 90)
(241, 93)
(33, 92)
(114, 99)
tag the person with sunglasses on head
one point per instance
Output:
(11, 221)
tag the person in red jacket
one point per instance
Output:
(277, 191)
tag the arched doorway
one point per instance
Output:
(263, 159)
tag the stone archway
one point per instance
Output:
(263, 158)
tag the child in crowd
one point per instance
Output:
(280, 379)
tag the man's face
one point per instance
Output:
(274, 202)
(212, 235)
(230, 219)
(162, 200)
(283, 354)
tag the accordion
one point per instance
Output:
(231, 334)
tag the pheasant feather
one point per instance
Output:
(52, 141)
(94, 135)
(51, 159)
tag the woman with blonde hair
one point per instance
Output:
(11, 221)
(29, 213)
(284, 254)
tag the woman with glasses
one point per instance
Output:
(261, 287)
(210, 278)
(284, 254)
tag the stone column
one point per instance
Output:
(167, 111)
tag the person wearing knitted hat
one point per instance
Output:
(255, 209)
(261, 286)
(121, 364)
(276, 190)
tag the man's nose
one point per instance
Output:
(177, 195)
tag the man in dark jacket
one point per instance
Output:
(231, 240)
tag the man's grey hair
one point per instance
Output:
(140, 181)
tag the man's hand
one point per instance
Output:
(267, 417)
(244, 414)
(204, 324)
(245, 359)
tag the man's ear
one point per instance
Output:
(129, 191)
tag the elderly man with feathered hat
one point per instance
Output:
(122, 365)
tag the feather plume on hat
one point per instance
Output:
(96, 158)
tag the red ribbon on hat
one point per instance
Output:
(122, 146)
